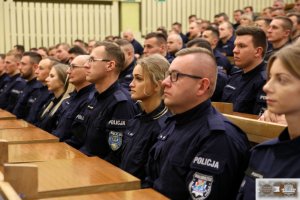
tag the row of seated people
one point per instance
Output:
(171, 149)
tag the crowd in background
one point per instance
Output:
(128, 103)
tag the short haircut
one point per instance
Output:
(224, 15)
(66, 46)
(199, 42)
(125, 44)
(289, 56)
(163, 30)
(239, 10)
(161, 38)
(191, 16)
(44, 49)
(177, 24)
(77, 50)
(287, 23)
(17, 56)
(113, 52)
(250, 7)
(214, 31)
(205, 51)
(2, 56)
(259, 38)
(20, 48)
(35, 57)
(80, 41)
(295, 14)
(266, 20)
(53, 61)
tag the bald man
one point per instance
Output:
(198, 144)
(78, 100)
(138, 48)
(174, 44)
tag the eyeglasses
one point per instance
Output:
(174, 75)
(92, 59)
(72, 66)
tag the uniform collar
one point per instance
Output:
(155, 114)
(128, 70)
(82, 91)
(191, 114)
(110, 90)
(283, 140)
(15, 76)
(256, 70)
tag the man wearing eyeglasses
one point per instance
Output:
(78, 100)
(199, 154)
(98, 130)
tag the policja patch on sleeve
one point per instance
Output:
(115, 140)
(200, 186)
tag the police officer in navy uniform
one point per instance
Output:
(99, 129)
(227, 38)
(28, 65)
(143, 130)
(41, 72)
(244, 88)
(57, 82)
(125, 76)
(279, 157)
(212, 35)
(199, 154)
(138, 49)
(4, 78)
(78, 99)
(13, 88)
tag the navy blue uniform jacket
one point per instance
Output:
(199, 155)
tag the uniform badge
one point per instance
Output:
(200, 186)
(115, 140)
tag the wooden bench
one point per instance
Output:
(257, 131)
(223, 107)
(67, 177)
(36, 152)
(7, 192)
(143, 194)
(26, 135)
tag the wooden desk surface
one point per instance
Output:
(6, 115)
(26, 135)
(36, 152)
(81, 176)
(14, 123)
(143, 194)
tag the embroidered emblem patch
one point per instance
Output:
(115, 140)
(200, 186)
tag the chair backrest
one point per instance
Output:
(223, 107)
(7, 192)
(257, 131)
(3, 151)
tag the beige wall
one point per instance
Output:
(36, 24)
